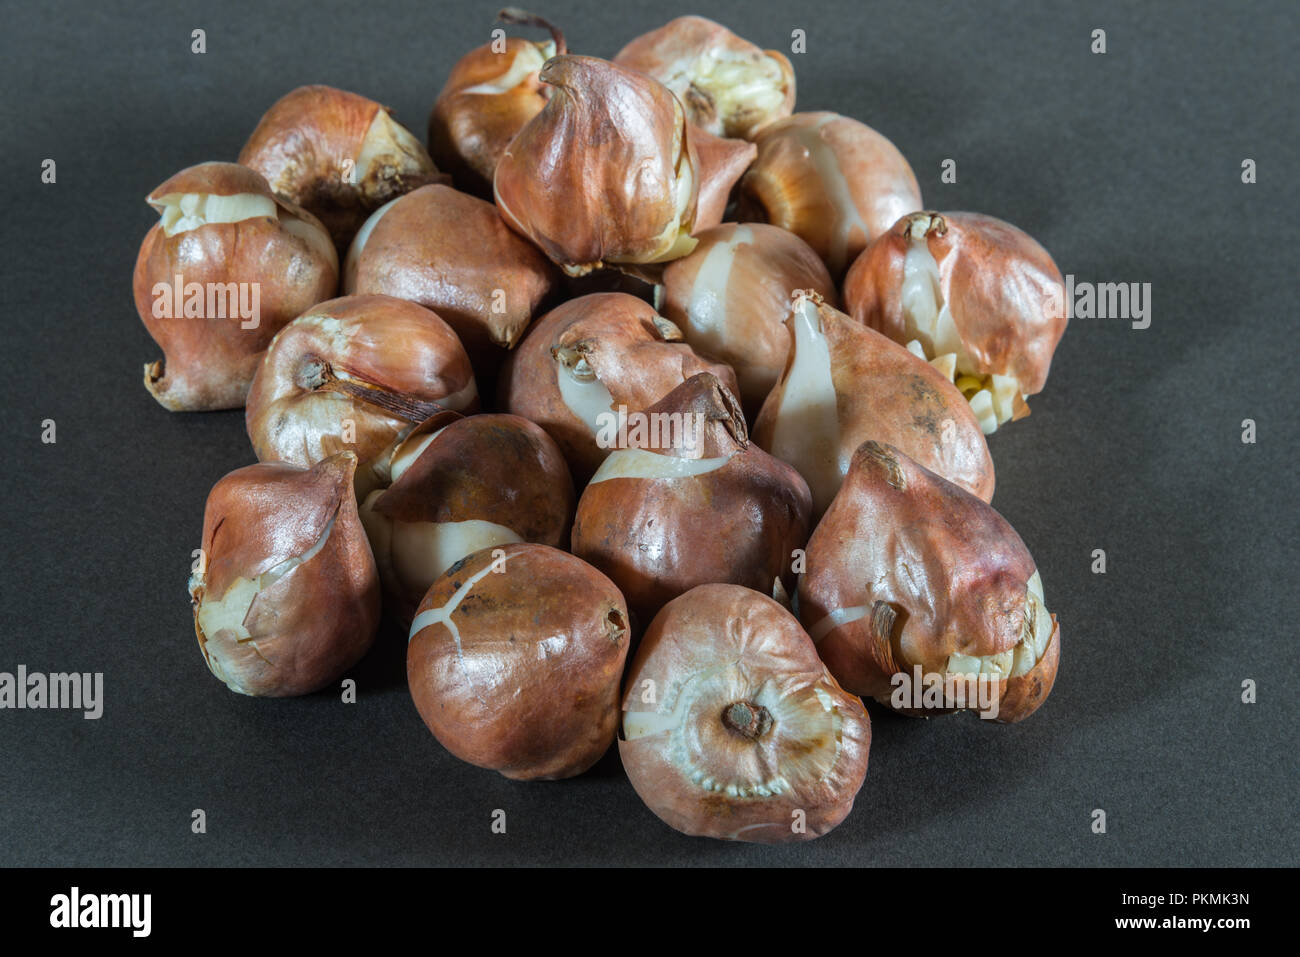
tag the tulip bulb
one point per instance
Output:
(691, 501)
(907, 571)
(227, 265)
(591, 357)
(486, 100)
(834, 182)
(452, 253)
(460, 485)
(287, 597)
(728, 85)
(356, 373)
(732, 726)
(730, 295)
(515, 660)
(564, 182)
(844, 384)
(974, 295)
(337, 154)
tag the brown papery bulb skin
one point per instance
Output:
(287, 598)
(834, 182)
(729, 86)
(356, 373)
(248, 263)
(732, 726)
(459, 485)
(845, 384)
(486, 100)
(564, 180)
(453, 254)
(732, 293)
(906, 570)
(971, 287)
(688, 501)
(515, 659)
(722, 163)
(586, 359)
(337, 154)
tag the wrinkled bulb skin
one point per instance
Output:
(564, 180)
(338, 155)
(972, 288)
(452, 253)
(486, 100)
(460, 485)
(906, 569)
(355, 374)
(832, 181)
(223, 229)
(660, 517)
(730, 295)
(288, 598)
(515, 660)
(587, 358)
(729, 86)
(732, 726)
(845, 384)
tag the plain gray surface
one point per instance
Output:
(1126, 166)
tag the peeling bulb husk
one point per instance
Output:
(226, 267)
(287, 599)
(747, 737)
(909, 575)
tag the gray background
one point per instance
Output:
(1126, 166)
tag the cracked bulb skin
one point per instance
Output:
(972, 289)
(732, 726)
(728, 85)
(356, 373)
(222, 230)
(515, 659)
(587, 358)
(288, 598)
(730, 294)
(832, 181)
(844, 384)
(487, 99)
(460, 485)
(452, 253)
(338, 155)
(563, 184)
(662, 515)
(907, 570)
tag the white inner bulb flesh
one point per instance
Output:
(422, 551)
(461, 398)
(807, 428)
(641, 464)
(706, 310)
(829, 172)
(933, 336)
(527, 62)
(744, 89)
(583, 393)
(181, 212)
(405, 456)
